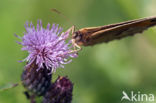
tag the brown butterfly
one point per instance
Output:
(94, 35)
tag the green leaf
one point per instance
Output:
(8, 86)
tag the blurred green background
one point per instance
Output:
(101, 72)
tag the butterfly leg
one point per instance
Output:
(76, 47)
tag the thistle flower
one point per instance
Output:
(47, 47)
(59, 92)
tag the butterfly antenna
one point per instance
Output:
(72, 29)
(62, 15)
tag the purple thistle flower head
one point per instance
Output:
(46, 46)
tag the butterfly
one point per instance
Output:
(90, 36)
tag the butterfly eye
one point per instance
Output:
(75, 34)
(78, 37)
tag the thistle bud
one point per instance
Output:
(59, 92)
(36, 82)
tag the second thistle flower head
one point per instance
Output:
(46, 46)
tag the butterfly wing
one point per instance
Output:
(118, 31)
(95, 29)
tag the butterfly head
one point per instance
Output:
(77, 38)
